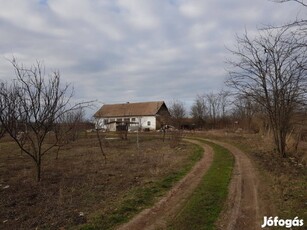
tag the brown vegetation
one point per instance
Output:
(282, 180)
(79, 183)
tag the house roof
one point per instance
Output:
(130, 109)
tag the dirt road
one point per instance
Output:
(157, 216)
(242, 207)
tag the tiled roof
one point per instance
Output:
(129, 109)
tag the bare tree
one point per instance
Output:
(298, 1)
(271, 69)
(101, 146)
(244, 110)
(2, 131)
(32, 105)
(2, 107)
(199, 111)
(223, 102)
(211, 107)
(300, 24)
(213, 102)
(67, 128)
(178, 112)
(100, 139)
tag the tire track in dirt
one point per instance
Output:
(242, 205)
(157, 216)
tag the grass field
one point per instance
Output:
(79, 190)
(142, 197)
(204, 206)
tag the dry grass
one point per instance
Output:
(79, 183)
(283, 180)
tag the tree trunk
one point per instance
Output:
(100, 145)
(38, 170)
(57, 153)
(280, 141)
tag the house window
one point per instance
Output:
(106, 121)
(148, 123)
(127, 119)
(133, 119)
(119, 119)
(112, 119)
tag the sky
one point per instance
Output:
(117, 51)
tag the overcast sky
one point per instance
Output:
(116, 51)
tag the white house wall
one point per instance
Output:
(143, 122)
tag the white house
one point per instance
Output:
(143, 115)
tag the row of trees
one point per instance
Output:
(213, 110)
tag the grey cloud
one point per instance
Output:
(134, 50)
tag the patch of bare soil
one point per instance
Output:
(157, 216)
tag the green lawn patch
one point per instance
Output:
(142, 197)
(203, 208)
